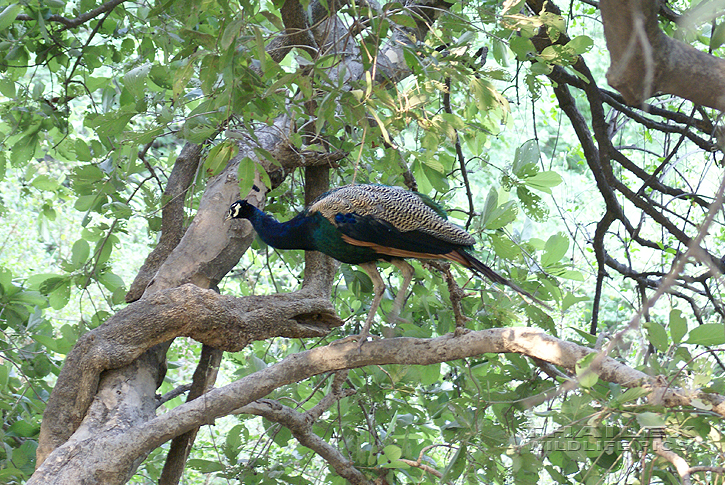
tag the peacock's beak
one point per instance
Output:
(229, 216)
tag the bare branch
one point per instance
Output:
(81, 19)
(300, 424)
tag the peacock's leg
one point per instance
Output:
(408, 273)
(378, 289)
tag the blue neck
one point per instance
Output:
(293, 234)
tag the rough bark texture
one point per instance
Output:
(645, 61)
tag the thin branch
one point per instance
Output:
(204, 377)
(459, 154)
(683, 469)
(81, 19)
(174, 393)
(300, 424)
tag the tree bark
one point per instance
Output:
(645, 61)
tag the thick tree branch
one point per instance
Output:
(124, 447)
(645, 61)
(172, 217)
(223, 322)
(204, 377)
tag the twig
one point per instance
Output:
(459, 153)
(81, 19)
(178, 391)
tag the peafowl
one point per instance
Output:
(361, 224)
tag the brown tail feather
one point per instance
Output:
(461, 256)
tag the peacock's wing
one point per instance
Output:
(391, 220)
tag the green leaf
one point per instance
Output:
(4, 376)
(490, 205)
(110, 124)
(181, 78)
(46, 182)
(245, 175)
(657, 335)
(111, 281)
(231, 32)
(678, 326)
(718, 36)
(9, 14)
(135, 79)
(7, 88)
(455, 467)
(504, 246)
(522, 47)
(23, 428)
(429, 374)
(543, 181)
(392, 452)
(83, 152)
(526, 159)
(555, 249)
(631, 394)
(58, 298)
(541, 68)
(205, 466)
(533, 205)
(501, 52)
(486, 95)
(219, 156)
(651, 420)
(580, 44)
(24, 149)
(571, 299)
(590, 339)
(501, 216)
(80, 252)
(403, 20)
(161, 76)
(587, 378)
(437, 179)
(709, 334)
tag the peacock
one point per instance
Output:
(363, 223)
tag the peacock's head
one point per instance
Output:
(240, 209)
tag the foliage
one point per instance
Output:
(93, 116)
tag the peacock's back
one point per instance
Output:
(404, 210)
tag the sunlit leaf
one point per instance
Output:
(709, 334)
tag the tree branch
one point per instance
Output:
(123, 446)
(172, 218)
(645, 61)
(81, 19)
(204, 378)
(223, 322)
